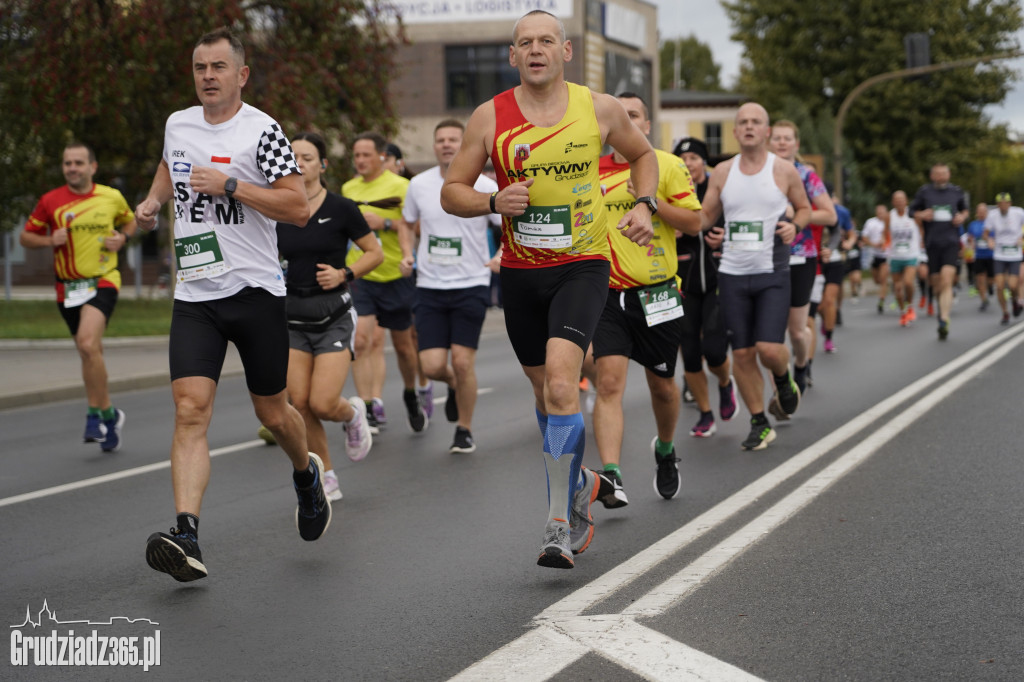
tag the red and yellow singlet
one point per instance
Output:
(634, 265)
(89, 219)
(565, 220)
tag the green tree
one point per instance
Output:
(697, 67)
(895, 130)
(109, 73)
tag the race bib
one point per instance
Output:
(797, 260)
(745, 235)
(199, 257)
(903, 250)
(444, 250)
(1009, 250)
(543, 227)
(661, 303)
(942, 214)
(79, 291)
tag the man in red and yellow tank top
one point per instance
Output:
(642, 317)
(78, 222)
(544, 138)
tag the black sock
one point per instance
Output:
(409, 393)
(188, 523)
(781, 381)
(828, 334)
(306, 477)
(758, 418)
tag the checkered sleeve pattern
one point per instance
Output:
(275, 157)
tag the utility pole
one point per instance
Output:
(837, 135)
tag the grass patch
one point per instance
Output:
(42, 320)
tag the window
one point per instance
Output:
(476, 73)
(713, 138)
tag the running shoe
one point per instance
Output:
(331, 488)
(943, 330)
(176, 554)
(584, 384)
(313, 515)
(881, 306)
(921, 303)
(687, 394)
(810, 377)
(1017, 308)
(610, 490)
(426, 396)
(415, 414)
(727, 400)
(830, 346)
(113, 426)
(911, 315)
(788, 394)
(554, 550)
(800, 377)
(931, 309)
(373, 426)
(705, 427)
(984, 306)
(358, 438)
(95, 432)
(761, 434)
(581, 521)
(666, 478)
(903, 320)
(463, 441)
(1006, 319)
(451, 407)
(775, 409)
(377, 407)
(264, 433)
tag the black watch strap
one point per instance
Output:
(230, 185)
(349, 275)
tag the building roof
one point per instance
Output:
(678, 99)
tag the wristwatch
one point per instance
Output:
(387, 224)
(651, 202)
(349, 275)
(230, 185)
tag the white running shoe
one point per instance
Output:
(357, 434)
(331, 488)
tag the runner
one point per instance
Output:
(872, 239)
(1004, 230)
(78, 223)
(752, 190)
(803, 259)
(642, 315)
(940, 208)
(984, 268)
(905, 238)
(231, 172)
(545, 138)
(453, 283)
(703, 336)
(386, 296)
(841, 236)
(321, 318)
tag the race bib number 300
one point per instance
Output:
(199, 257)
(544, 227)
(661, 303)
(745, 235)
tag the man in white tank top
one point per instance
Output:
(754, 190)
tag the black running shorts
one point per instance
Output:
(801, 281)
(253, 319)
(755, 308)
(104, 301)
(833, 272)
(622, 330)
(942, 254)
(391, 302)
(561, 301)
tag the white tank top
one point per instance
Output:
(906, 238)
(752, 205)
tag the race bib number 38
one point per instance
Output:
(544, 227)
(199, 257)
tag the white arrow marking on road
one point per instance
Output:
(616, 643)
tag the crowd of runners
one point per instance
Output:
(639, 255)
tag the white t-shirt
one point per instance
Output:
(873, 232)
(221, 245)
(1007, 232)
(453, 251)
(906, 236)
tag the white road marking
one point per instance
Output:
(564, 615)
(118, 475)
(480, 391)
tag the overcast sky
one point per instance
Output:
(708, 22)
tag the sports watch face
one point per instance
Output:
(651, 202)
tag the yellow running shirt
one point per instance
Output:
(565, 221)
(634, 265)
(89, 219)
(385, 185)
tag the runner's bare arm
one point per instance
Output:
(160, 192)
(458, 196)
(284, 201)
(619, 132)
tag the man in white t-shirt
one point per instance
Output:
(1003, 230)
(872, 241)
(453, 281)
(230, 170)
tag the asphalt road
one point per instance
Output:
(878, 538)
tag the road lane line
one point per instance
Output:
(677, 587)
(599, 589)
(118, 475)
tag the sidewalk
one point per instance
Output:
(43, 371)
